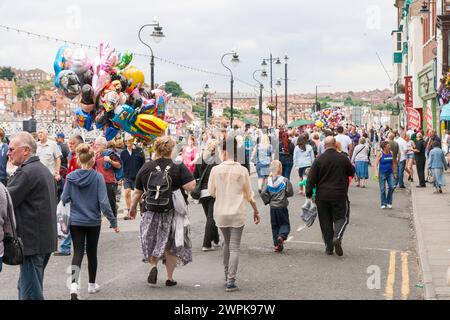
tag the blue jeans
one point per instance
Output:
(400, 172)
(31, 279)
(389, 179)
(279, 219)
(66, 244)
(287, 169)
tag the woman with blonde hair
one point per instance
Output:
(157, 229)
(202, 172)
(85, 189)
(263, 157)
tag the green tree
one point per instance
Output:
(200, 110)
(7, 73)
(174, 88)
(25, 92)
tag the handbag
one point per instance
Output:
(13, 246)
(196, 193)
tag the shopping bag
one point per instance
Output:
(62, 218)
(309, 212)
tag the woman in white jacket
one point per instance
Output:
(303, 158)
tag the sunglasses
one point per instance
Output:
(12, 149)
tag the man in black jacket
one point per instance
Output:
(329, 174)
(33, 192)
(133, 159)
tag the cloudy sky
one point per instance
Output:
(328, 42)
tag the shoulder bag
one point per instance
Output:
(13, 253)
(196, 193)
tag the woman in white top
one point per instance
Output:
(360, 159)
(410, 147)
(229, 184)
(303, 158)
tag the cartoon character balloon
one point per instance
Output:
(63, 61)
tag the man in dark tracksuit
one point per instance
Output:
(329, 174)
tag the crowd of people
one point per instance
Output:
(37, 172)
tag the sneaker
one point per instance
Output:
(231, 287)
(338, 247)
(389, 206)
(171, 283)
(153, 276)
(127, 218)
(329, 252)
(74, 291)
(205, 249)
(440, 190)
(280, 243)
(383, 207)
(93, 288)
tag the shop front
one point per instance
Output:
(427, 94)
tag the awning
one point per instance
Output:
(445, 113)
(299, 123)
(250, 121)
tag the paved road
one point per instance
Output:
(379, 260)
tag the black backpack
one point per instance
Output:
(158, 195)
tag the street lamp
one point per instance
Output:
(264, 63)
(205, 95)
(260, 97)
(157, 36)
(424, 9)
(234, 62)
(319, 86)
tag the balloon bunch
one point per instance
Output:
(328, 118)
(110, 93)
(443, 91)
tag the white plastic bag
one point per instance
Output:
(62, 218)
(309, 212)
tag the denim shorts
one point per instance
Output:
(301, 171)
(128, 183)
(410, 156)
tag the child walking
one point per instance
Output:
(276, 193)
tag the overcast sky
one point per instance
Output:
(328, 42)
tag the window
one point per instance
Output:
(399, 42)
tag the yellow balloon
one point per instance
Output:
(134, 74)
(151, 124)
(319, 124)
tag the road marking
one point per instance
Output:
(289, 238)
(300, 228)
(391, 277)
(405, 276)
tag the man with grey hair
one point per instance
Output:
(329, 174)
(49, 153)
(33, 193)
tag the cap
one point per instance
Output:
(60, 135)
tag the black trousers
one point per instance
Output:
(211, 231)
(420, 165)
(334, 217)
(111, 189)
(85, 237)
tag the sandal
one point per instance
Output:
(171, 283)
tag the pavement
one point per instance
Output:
(379, 262)
(432, 225)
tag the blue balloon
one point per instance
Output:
(84, 119)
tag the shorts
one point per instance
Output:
(410, 156)
(301, 171)
(129, 183)
(262, 170)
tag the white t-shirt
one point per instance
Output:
(402, 148)
(48, 153)
(345, 142)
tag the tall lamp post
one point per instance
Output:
(264, 63)
(157, 36)
(205, 95)
(234, 62)
(260, 97)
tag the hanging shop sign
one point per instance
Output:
(413, 118)
(408, 92)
